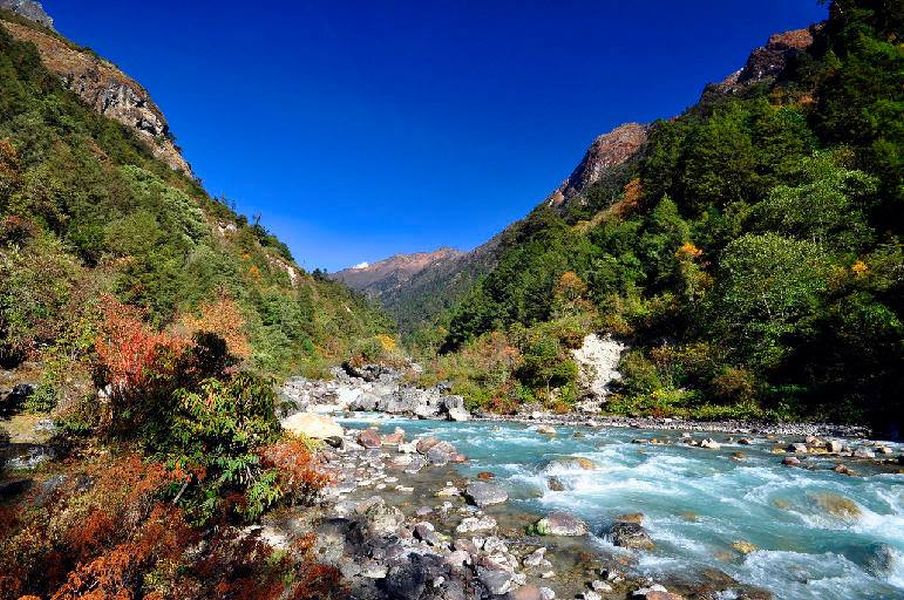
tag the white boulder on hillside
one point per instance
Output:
(597, 361)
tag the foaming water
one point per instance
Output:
(817, 533)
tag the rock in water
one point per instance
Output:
(442, 453)
(744, 547)
(312, 425)
(710, 444)
(631, 535)
(424, 444)
(560, 523)
(555, 484)
(481, 493)
(454, 408)
(370, 438)
(838, 506)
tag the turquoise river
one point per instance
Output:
(818, 534)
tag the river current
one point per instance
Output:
(817, 534)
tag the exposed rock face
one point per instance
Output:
(597, 360)
(106, 89)
(607, 152)
(377, 278)
(33, 11)
(767, 61)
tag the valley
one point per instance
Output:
(679, 376)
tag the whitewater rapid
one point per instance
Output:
(698, 502)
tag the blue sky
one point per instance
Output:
(362, 129)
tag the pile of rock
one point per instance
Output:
(373, 388)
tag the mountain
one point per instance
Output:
(28, 9)
(416, 289)
(375, 279)
(419, 299)
(747, 251)
(143, 325)
(607, 152)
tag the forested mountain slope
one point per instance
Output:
(749, 250)
(88, 208)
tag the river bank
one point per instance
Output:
(375, 388)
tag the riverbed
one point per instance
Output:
(800, 532)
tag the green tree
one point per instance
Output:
(768, 286)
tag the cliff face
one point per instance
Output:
(105, 88)
(767, 61)
(33, 11)
(607, 151)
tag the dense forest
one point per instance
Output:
(750, 254)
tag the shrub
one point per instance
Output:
(222, 317)
(216, 431)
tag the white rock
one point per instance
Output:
(597, 361)
(312, 425)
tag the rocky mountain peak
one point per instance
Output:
(31, 10)
(769, 60)
(606, 152)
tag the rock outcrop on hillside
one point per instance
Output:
(33, 11)
(606, 152)
(106, 89)
(767, 61)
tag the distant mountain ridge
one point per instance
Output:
(375, 279)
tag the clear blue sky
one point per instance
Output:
(359, 129)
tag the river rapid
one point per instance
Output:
(801, 533)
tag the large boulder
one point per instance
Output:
(454, 408)
(481, 493)
(312, 425)
(406, 401)
(424, 444)
(631, 535)
(560, 523)
(365, 401)
(442, 453)
(370, 438)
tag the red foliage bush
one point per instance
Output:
(298, 474)
(130, 354)
(107, 533)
